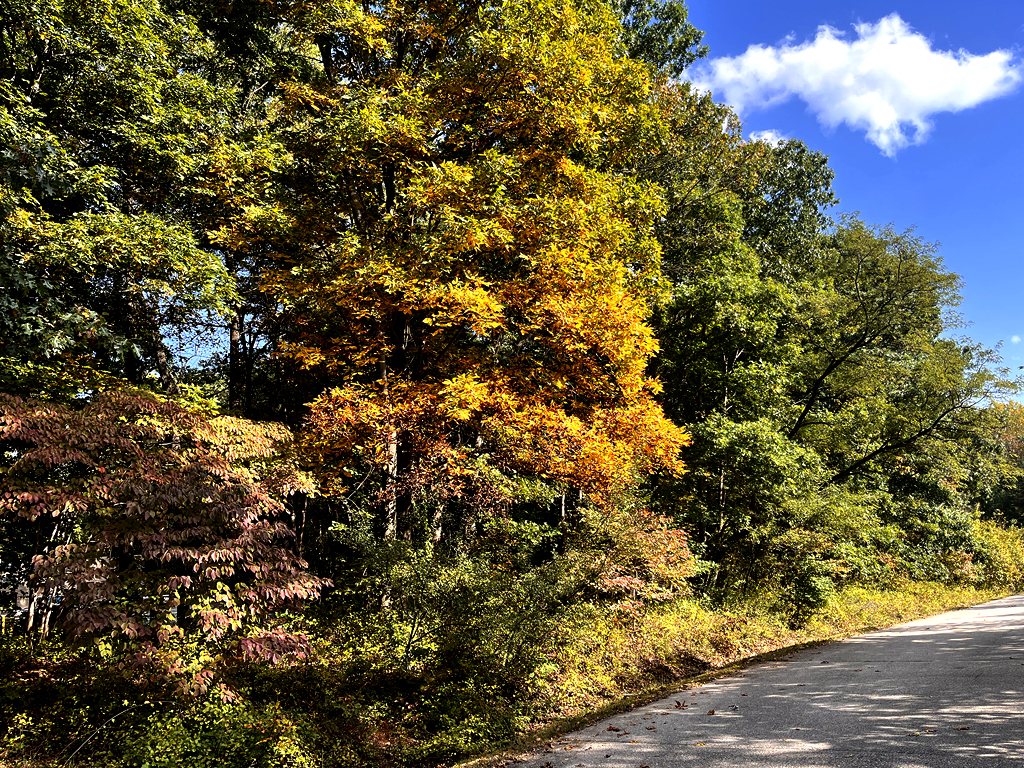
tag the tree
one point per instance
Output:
(104, 120)
(658, 32)
(154, 525)
(727, 336)
(875, 363)
(1008, 433)
(458, 260)
(808, 361)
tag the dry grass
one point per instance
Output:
(621, 662)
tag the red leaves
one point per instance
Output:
(169, 521)
(274, 646)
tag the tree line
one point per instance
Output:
(425, 326)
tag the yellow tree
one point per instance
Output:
(463, 268)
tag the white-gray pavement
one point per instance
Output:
(944, 691)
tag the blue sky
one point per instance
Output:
(920, 108)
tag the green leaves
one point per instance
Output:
(657, 32)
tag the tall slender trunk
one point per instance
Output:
(235, 362)
(721, 499)
(163, 365)
(33, 597)
(249, 344)
(391, 492)
(44, 624)
(39, 591)
(436, 528)
(298, 505)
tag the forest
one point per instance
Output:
(383, 380)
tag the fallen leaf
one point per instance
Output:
(964, 728)
(612, 728)
(711, 711)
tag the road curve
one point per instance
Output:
(935, 693)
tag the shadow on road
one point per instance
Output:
(946, 691)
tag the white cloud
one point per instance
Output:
(768, 137)
(888, 82)
(1015, 339)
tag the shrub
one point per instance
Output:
(220, 734)
(1001, 555)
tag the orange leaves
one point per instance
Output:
(344, 431)
(468, 302)
(468, 273)
(348, 434)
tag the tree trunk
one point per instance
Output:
(235, 362)
(163, 365)
(391, 491)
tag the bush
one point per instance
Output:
(1001, 554)
(812, 589)
(220, 734)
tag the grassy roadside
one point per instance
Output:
(325, 714)
(626, 664)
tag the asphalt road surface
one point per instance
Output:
(944, 691)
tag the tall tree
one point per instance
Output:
(458, 259)
(659, 32)
(103, 118)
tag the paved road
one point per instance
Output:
(941, 692)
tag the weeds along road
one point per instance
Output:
(944, 691)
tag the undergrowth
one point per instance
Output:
(619, 657)
(331, 712)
